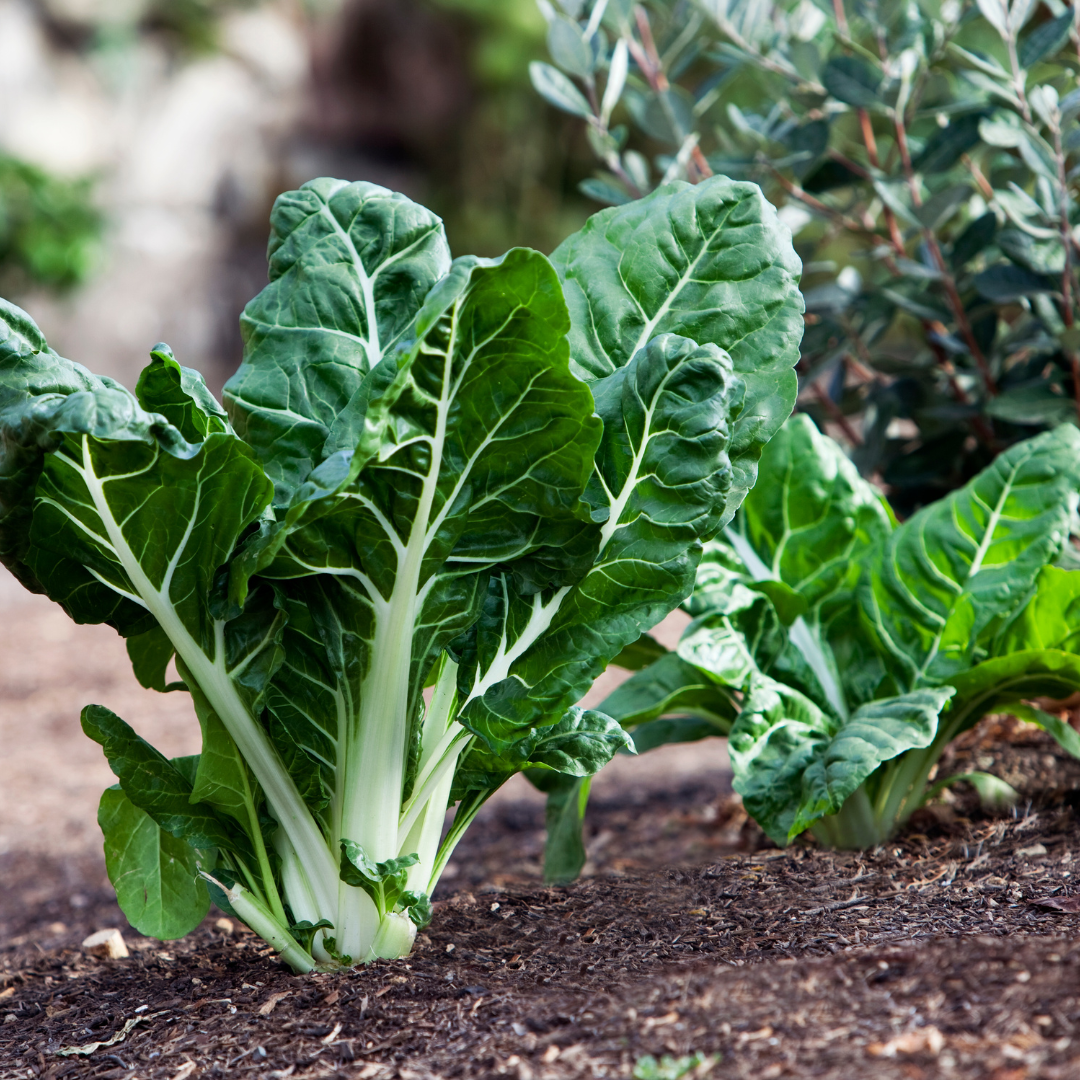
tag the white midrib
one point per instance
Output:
(647, 330)
(214, 680)
(367, 286)
(374, 772)
(799, 633)
(976, 563)
(542, 614)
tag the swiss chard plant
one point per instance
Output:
(439, 498)
(841, 653)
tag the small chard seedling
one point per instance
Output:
(478, 478)
(843, 652)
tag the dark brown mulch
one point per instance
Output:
(928, 957)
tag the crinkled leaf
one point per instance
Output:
(383, 881)
(350, 266)
(1049, 620)
(877, 732)
(710, 262)
(955, 566)
(778, 734)
(487, 444)
(661, 485)
(670, 686)
(180, 395)
(794, 764)
(809, 517)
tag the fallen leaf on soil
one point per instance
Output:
(119, 1037)
(5, 994)
(919, 1041)
(267, 1007)
(1059, 903)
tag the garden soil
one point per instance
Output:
(952, 952)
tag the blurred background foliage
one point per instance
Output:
(923, 154)
(49, 228)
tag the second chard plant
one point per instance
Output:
(481, 477)
(842, 653)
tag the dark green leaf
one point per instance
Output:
(564, 817)
(155, 875)
(710, 262)
(180, 395)
(675, 729)
(350, 265)
(150, 654)
(670, 686)
(952, 568)
(853, 81)
(640, 653)
(154, 784)
(1046, 39)
(944, 148)
(661, 484)
(978, 236)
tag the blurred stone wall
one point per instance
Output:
(188, 155)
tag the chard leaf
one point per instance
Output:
(996, 684)
(350, 266)
(709, 262)
(809, 517)
(180, 395)
(130, 525)
(797, 538)
(156, 876)
(676, 729)
(484, 445)
(794, 764)
(150, 654)
(155, 785)
(579, 744)
(564, 819)
(640, 653)
(1067, 736)
(670, 686)
(877, 732)
(955, 566)
(778, 734)
(661, 485)
(383, 881)
(222, 779)
(1049, 620)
